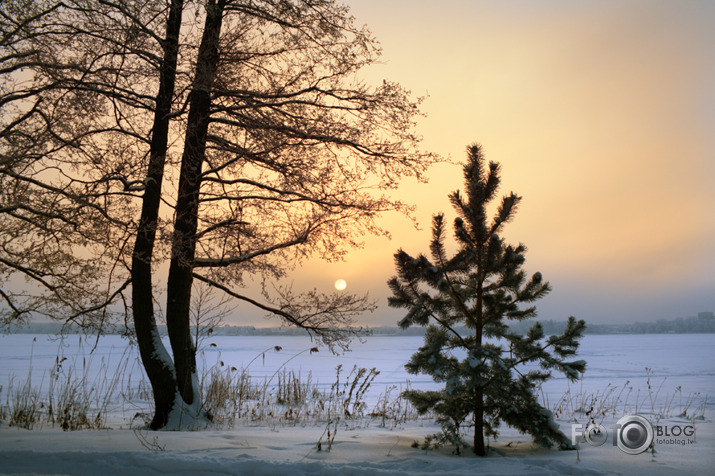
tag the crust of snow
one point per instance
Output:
(262, 450)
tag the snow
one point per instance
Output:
(364, 447)
(160, 351)
(262, 450)
(187, 417)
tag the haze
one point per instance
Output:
(602, 117)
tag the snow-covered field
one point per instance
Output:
(681, 374)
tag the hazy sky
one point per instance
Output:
(602, 115)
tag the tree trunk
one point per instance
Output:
(479, 448)
(185, 225)
(153, 354)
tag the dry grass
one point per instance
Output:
(73, 400)
(231, 395)
(23, 407)
(615, 402)
(82, 399)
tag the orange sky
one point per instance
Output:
(602, 115)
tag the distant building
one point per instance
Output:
(706, 316)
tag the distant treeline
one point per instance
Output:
(688, 325)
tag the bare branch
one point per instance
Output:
(101, 305)
(229, 260)
(328, 318)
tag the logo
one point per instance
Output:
(633, 434)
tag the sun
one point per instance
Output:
(341, 284)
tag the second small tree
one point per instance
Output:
(489, 372)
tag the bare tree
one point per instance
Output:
(209, 310)
(235, 150)
(57, 213)
(89, 85)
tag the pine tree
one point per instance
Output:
(489, 372)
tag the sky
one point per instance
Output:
(602, 116)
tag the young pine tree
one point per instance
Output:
(489, 372)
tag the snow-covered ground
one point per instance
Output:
(682, 374)
(262, 450)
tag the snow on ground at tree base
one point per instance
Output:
(366, 450)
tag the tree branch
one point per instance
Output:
(222, 262)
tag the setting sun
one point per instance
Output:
(341, 284)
